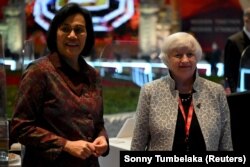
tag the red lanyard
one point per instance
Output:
(189, 117)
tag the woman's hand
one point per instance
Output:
(81, 149)
(101, 145)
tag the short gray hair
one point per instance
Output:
(177, 40)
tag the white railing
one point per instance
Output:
(141, 72)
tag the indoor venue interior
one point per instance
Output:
(128, 40)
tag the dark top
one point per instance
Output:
(239, 111)
(232, 56)
(56, 103)
(195, 142)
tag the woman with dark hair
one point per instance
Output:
(58, 114)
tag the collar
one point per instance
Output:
(59, 63)
(195, 84)
(55, 60)
(246, 32)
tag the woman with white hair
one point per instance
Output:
(182, 111)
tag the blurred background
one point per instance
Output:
(128, 39)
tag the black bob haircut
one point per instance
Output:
(66, 11)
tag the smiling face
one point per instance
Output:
(182, 61)
(180, 52)
(71, 37)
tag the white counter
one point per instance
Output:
(116, 145)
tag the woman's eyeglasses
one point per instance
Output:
(78, 29)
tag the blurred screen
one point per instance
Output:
(107, 14)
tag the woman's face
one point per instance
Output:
(182, 63)
(71, 36)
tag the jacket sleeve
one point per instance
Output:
(141, 133)
(231, 64)
(226, 138)
(27, 110)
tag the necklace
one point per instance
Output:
(185, 97)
